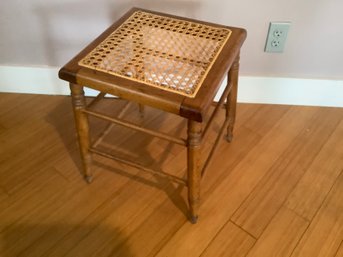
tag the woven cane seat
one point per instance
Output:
(163, 52)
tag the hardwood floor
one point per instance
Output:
(276, 190)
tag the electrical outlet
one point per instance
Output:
(276, 38)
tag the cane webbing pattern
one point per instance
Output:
(171, 54)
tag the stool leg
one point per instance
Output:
(231, 100)
(193, 160)
(81, 122)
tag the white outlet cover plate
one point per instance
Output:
(276, 38)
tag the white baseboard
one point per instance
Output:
(44, 80)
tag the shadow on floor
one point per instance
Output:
(61, 239)
(62, 119)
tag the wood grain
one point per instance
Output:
(340, 251)
(46, 209)
(191, 241)
(314, 186)
(230, 241)
(270, 193)
(325, 233)
(281, 235)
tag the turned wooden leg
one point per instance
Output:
(231, 100)
(81, 122)
(194, 172)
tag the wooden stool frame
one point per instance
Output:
(191, 109)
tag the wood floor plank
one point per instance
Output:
(146, 234)
(16, 207)
(155, 226)
(281, 236)
(313, 187)
(137, 201)
(33, 152)
(130, 202)
(158, 228)
(325, 233)
(246, 137)
(46, 209)
(230, 241)
(129, 209)
(19, 176)
(275, 186)
(42, 237)
(131, 216)
(23, 109)
(192, 240)
(89, 238)
(26, 149)
(238, 150)
(76, 203)
(3, 196)
(10, 102)
(32, 234)
(20, 234)
(340, 251)
(270, 111)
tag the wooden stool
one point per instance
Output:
(170, 63)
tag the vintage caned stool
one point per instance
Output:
(167, 62)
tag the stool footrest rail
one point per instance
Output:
(139, 166)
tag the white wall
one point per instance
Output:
(46, 33)
(41, 32)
